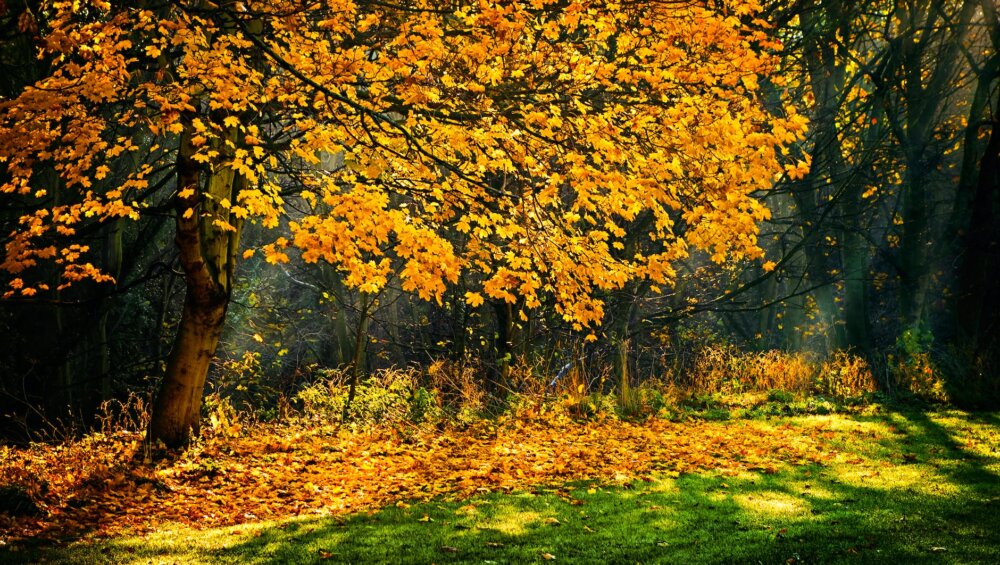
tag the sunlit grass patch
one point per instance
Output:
(773, 503)
(508, 519)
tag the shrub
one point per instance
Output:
(457, 388)
(779, 396)
(16, 501)
(223, 419)
(724, 368)
(780, 370)
(388, 396)
(244, 385)
(913, 368)
(844, 375)
(971, 374)
(130, 414)
(716, 368)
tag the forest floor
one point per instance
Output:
(878, 485)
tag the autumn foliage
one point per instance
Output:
(524, 147)
(515, 141)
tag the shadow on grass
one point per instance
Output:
(771, 519)
(803, 515)
(970, 468)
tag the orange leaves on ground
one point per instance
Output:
(281, 471)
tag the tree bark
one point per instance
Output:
(177, 411)
(207, 252)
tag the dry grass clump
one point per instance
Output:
(843, 375)
(727, 369)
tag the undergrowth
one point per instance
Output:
(720, 383)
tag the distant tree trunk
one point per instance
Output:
(504, 339)
(926, 81)
(913, 243)
(360, 347)
(856, 325)
(979, 270)
(459, 326)
(827, 77)
(341, 346)
(207, 256)
(112, 258)
(975, 215)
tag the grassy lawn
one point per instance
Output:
(905, 487)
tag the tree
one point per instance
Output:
(975, 221)
(515, 140)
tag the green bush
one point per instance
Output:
(780, 396)
(243, 384)
(389, 396)
(915, 370)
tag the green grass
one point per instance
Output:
(907, 487)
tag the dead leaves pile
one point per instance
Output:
(99, 486)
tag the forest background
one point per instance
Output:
(860, 256)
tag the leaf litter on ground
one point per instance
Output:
(100, 487)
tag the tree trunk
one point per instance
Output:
(504, 342)
(980, 266)
(360, 346)
(177, 411)
(975, 215)
(856, 325)
(827, 77)
(925, 91)
(207, 251)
